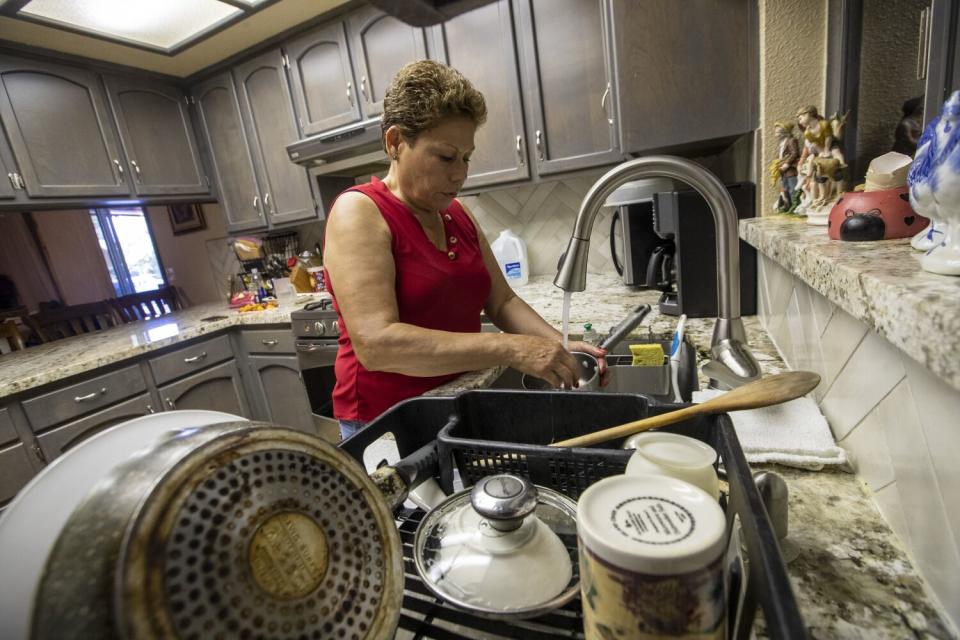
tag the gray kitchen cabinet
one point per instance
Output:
(189, 359)
(569, 83)
(57, 441)
(277, 383)
(221, 126)
(380, 45)
(268, 115)
(157, 137)
(218, 388)
(60, 130)
(10, 178)
(321, 79)
(480, 44)
(335, 83)
(16, 467)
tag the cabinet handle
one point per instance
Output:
(363, 88)
(350, 92)
(266, 203)
(150, 409)
(256, 205)
(270, 343)
(13, 181)
(603, 103)
(37, 451)
(196, 358)
(90, 396)
(136, 169)
(119, 166)
(170, 404)
(539, 142)
(520, 150)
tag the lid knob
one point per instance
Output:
(504, 500)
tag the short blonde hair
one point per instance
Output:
(424, 93)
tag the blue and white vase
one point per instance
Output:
(934, 182)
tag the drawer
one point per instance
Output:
(78, 399)
(190, 359)
(267, 341)
(15, 471)
(8, 433)
(56, 441)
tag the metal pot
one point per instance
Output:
(226, 530)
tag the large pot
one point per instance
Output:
(226, 530)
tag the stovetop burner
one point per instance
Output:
(315, 320)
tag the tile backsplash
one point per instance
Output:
(895, 418)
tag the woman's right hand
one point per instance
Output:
(546, 359)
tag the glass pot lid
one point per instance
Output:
(505, 548)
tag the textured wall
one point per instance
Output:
(888, 72)
(792, 71)
(190, 256)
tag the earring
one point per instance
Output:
(396, 155)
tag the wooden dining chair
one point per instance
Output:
(75, 320)
(146, 305)
(10, 331)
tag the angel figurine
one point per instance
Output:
(824, 161)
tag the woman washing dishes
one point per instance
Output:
(410, 270)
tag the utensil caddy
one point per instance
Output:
(487, 432)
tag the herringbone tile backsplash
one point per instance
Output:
(543, 215)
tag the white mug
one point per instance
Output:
(670, 454)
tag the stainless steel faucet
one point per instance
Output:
(729, 344)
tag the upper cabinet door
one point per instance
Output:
(322, 81)
(7, 171)
(60, 130)
(157, 137)
(222, 127)
(565, 46)
(268, 116)
(380, 45)
(480, 45)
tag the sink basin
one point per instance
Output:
(624, 378)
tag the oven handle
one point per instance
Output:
(313, 347)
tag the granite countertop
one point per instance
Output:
(61, 359)
(879, 283)
(850, 574)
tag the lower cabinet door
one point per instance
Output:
(277, 383)
(218, 388)
(61, 439)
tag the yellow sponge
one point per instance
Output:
(647, 355)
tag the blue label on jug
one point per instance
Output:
(513, 270)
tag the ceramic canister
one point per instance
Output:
(651, 550)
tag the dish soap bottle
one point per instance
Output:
(511, 254)
(590, 335)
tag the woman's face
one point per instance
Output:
(431, 169)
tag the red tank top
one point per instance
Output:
(433, 291)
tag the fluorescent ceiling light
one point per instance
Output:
(158, 23)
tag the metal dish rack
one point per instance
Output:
(466, 428)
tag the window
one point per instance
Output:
(128, 249)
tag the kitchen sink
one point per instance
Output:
(624, 378)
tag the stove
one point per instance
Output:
(316, 331)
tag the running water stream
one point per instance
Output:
(566, 317)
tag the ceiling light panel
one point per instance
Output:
(157, 23)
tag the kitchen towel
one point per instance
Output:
(794, 433)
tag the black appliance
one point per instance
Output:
(670, 245)
(316, 332)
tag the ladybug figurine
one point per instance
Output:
(874, 215)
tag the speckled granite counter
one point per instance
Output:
(54, 361)
(879, 283)
(849, 571)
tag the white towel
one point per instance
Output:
(794, 433)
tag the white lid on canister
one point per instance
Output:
(651, 524)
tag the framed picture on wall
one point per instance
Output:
(185, 218)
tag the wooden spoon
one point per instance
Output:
(764, 392)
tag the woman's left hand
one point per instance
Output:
(596, 352)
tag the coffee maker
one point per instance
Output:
(669, 244)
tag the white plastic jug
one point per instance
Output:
(511, 254)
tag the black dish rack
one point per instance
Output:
(485, 432)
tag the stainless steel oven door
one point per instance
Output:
(316, 358)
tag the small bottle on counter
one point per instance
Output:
(590, 335)
(256, 285)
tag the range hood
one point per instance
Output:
(352, 150)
